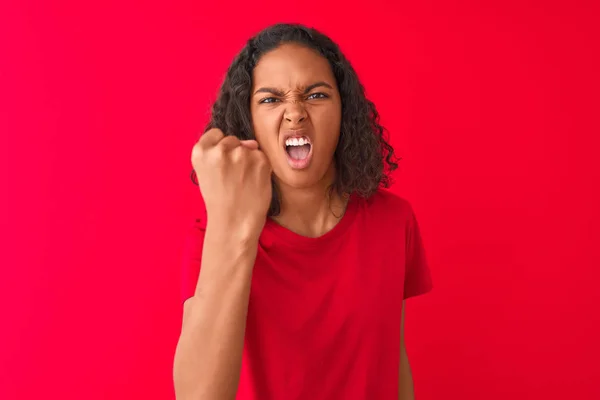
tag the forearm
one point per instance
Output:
(405, 381)
(209, 352)
(406, 389)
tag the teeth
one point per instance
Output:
(296, 142)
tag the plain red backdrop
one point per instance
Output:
(493, 108)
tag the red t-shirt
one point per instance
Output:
(324, 313)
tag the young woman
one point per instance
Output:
(294, 281)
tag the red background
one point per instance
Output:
(493, 107)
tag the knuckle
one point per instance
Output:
(197, 153)
(237, 155)
(216, 132)
(217, 156)
(226, 143)
(234, 141)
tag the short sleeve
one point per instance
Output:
(417, 278)
(191, 258)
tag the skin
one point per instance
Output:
(306, 210)
(293, 88)
(280, 102)
(406, 389)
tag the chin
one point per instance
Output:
(299, 179)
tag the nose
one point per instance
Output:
(295, 112)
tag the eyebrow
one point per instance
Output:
(278, 92)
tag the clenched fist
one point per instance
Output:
(235, 180)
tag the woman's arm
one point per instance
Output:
(406, 388)
(208, 356)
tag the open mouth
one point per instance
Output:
(299, 151)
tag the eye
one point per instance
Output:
(267, 100)
(318, 95)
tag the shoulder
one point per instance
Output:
(386, 203)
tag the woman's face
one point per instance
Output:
(296, 114)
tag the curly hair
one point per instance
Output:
(364, 159)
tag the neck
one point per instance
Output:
(311, 211)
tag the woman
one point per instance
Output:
(305, 257)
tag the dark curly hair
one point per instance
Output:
(363, 158)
